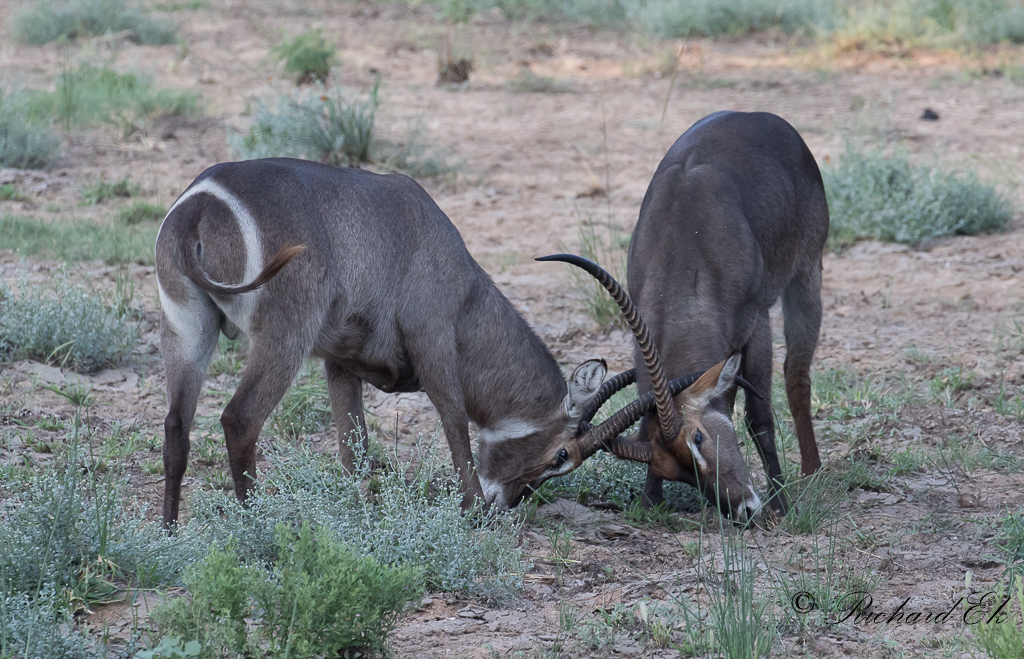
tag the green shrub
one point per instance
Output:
(42, 628)
(319, 599)
(326, 127)
(9, 192)
(874, 195)
(308, 57)
(26, 142)
(400, 516)
(930, 23)
(90, 94)
(1000, 634)
(78, 240)
(322, 126)
(325, 599)
(64, 325)
(672, 19)
(141, 211)
(874, 23)
(69, 530)
(50, 20)
(100, 191)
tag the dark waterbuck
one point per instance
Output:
(734, 218)
(380, 286)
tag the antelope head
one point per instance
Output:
(694, 441)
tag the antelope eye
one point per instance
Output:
(698, 438)
(563, 455)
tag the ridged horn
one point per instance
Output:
(668, 416)
(592, 438)
(609, 388)
(619, 382)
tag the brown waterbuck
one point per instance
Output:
(734, 218)
(380, 286)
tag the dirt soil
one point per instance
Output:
(531, 167)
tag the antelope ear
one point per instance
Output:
(715, 382)
(583, 384)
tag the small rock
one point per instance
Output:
(108, 376)
(929, 115)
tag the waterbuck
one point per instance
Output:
(734, 218)
(379, 285)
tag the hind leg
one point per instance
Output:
(274, 361)
(801, 307)
(757, 369)
(187, 349)
(346, 391)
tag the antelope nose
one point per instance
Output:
(751, 506)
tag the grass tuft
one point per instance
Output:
(884, 197)
(26, 141)
(9, 192)
(63, 325)
(328, 127)
(139, 212)
(323, 126)
(674, 19)
(100, 191)
(78, 241)
(610, 253)
(307, 57)
(90, 95)
(51, 20)
(304, 408)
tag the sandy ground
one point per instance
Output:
(529, 164)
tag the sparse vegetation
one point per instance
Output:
(401, 516)
(140, 211)
(610, 253)
(736, 620)
(999, 631)
(307, 57)
(305, 408)
(673, 19)
(526, 81)
(90, 95)
(50, 20)
(9, 192)
(319, 599)
(100, 191)
(873, 25)
(26, 141)
(78, 241)
(63, 325)
(884, 197)
(324, 126)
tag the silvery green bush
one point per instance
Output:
(47, 21)
(885, 197)
(63, 324)
(401, 517)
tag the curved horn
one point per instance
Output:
(630, 449)
(668, 415)
(607, 433)
(609, 388)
